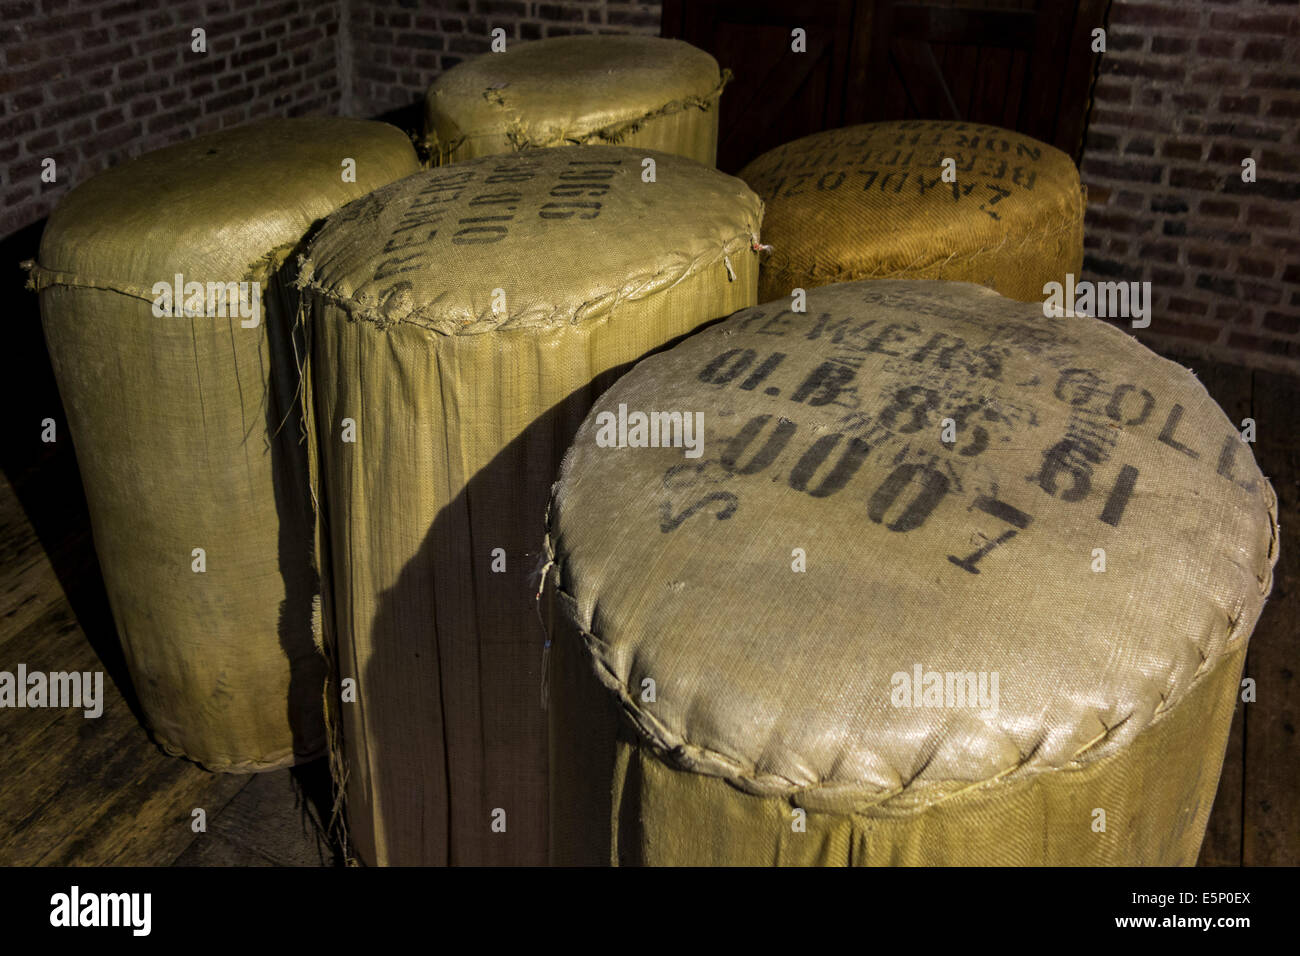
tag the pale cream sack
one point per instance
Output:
(919, 199)
(190, 447)
(462, 321)
(644, 92)
(958, 582)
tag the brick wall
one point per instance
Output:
(399, 46)
(90, 83)
(1187, 90)
(94, 82)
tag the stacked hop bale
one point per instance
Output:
(170, 329)
(462, 323)
(950, 583)
(642, 92)
(919, 199)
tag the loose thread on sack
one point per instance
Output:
(546, 646)
(616, 133)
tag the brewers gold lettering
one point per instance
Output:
(892, 421)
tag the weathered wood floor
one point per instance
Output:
(1256, 816)
(79, 791)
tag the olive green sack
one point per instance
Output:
(1092, 533)
(870, 202)
(462, 322)
(186, 429)
(635, 91)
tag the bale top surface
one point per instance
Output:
(549, 91)
(526, 239)
(823, 432)
(212, 206)
(870, 201)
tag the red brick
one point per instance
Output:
(1220, 47)
(1128, 171)
(1159, 251)
(1154, 15)
(1123, 119)
(1264, 51)
(1270, 217)
(1239, 103)
(1282, 322)
(69, 109)
(1269, 80)
(1110, 89)
(1237, 313)
(1256, 268)
(1152, 70)
(1267, 24)
(1217, 76)
(40, 144)
(1279, 161)
(1207, 258)
(108, 119)
(1170, 45)
(1258, 292)
(1184, 306)
(1182, 149)
(1195, 179)
(1285, 107)
(1167, 279)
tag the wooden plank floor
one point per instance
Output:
(79, 791)
(1271, 753)
(1256, 815)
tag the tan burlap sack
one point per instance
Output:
(643, 92)
(964, 584)
(190, 448)
(462, 323)
(871, 202)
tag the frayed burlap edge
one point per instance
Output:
(611, 134)
(363, 307)
(674, 750)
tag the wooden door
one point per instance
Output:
(775, 95)
(1025, 65)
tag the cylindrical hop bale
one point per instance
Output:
(919, 199)
(643, 92)
(462, 323)
(950, 583)
(169, 331)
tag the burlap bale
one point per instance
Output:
(776, 688)
(462, 323)
(870, 202)
(643, 92)
(185, 428)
